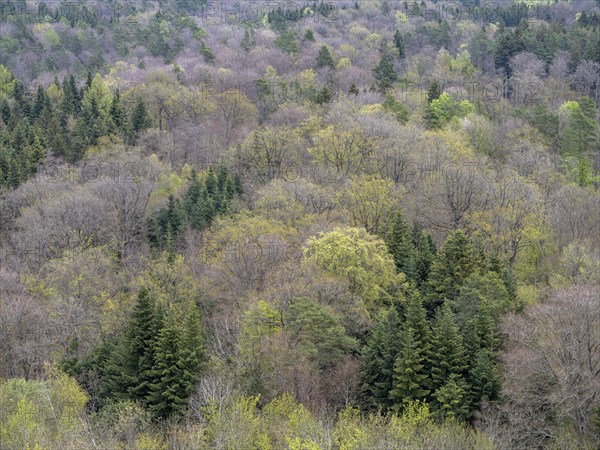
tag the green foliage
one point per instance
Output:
(357, 256)
(384, 73)
(442, 109)
(451, 399)
(324, 58)
(447, 354)
(317, 331)
(378, 359)
(396, 108)
(452, 265)
(410, 376)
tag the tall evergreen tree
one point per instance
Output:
(384, 73)
(484, 382)
(378, 359)
(324, 58)
(399, 44)
(450, 268)
(401, 246)
(452, 399)
(410, 377)
(447, 354)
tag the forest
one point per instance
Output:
(301, 225)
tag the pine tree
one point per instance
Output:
(400, 243)
(191, 351)
(324, 58)
(447, 354)
(140, 120)
(484, 382)
(141, 340)
(453, 264)
(410, 377)
(323, 96)
(353, 89)
(433, 92)
(399, 44)
(452, 399)
(117, 114)
(424, 253)
(378, 359)
(415, 318)
(165, 394)
(384, 73)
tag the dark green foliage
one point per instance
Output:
(447, 354)
(396, 108)
(410, 377)
(353, 89)
(309, 36)
(401, 246)
(248, 41)
(484, 381)
(157, 362)
(139, 120)
(451, 399)
(207, 54)
(452, 265)
(433, 92)
(324, 58)
(202, 202)
(379, 357)
(399, 44)
(317, 332)
(323, 96)
(384, 73)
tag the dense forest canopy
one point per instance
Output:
(304, 225)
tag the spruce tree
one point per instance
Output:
(451, 399)
(415, 318)
(399, 44)
(324, 58)
(166, 393)
(484, 382)
(434, 92)
(142, 337)
(191, 351)
(447, 353)
(450, 268)
(384, 73)
(410, 377)
(400, 243)
(378, 359)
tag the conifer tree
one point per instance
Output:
(447, 354)
(401, 246)
(384, 73)
(434, 92)
(166, 392)
(484, 382)
(415, 318)
(399, 44)
(142, 337)
(452, 399)
(450, 268)
(379, 358)
(324, 58)
(410, 377)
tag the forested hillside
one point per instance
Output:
(300, 225)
